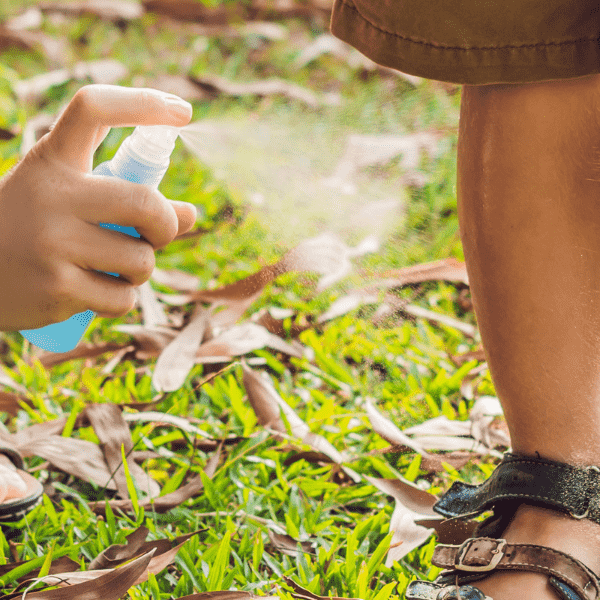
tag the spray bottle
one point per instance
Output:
(143, 157)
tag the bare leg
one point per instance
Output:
(529, 210)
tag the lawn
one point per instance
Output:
(271, 457)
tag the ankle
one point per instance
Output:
(555, 529)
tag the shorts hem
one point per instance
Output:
(508, 63)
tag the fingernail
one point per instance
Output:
(177, 107)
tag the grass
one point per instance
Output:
(254, 485)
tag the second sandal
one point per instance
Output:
(517, 479)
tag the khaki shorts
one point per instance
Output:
(475, 41)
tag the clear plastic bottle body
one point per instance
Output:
(132, 162)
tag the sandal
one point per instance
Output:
(517, 479)
(16, 508)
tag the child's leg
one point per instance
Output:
(529, 209)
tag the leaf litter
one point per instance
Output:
(179, 347)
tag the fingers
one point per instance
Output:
(98, 199)
(96, 108)
(99, 249)
(104, 294)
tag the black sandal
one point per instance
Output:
(16, 508)
(517, 479)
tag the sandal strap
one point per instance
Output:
(484, 554)
(526, 478)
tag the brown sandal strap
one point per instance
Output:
(485, 554)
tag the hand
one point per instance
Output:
(51, 245)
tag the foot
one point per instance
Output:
(545, 527)
(11, 483)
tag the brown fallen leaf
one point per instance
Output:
(106, 585)
(11, 403)
(407, 535)
(388, 431)
(273, 321)
(446, 269)
(179, 357)
(190, 10)
(136, 544)
(157, 563)
(153, 313)
(483, 413)
(241, 339)
(165, 503)
(304, 594)
(64, 564)
(227, 595)
(267, 87)
(267, 404)
(367, 150)
(109, 10)
(286, 544)
(113, 433)
(55, 50)
(417, 501)
(29, 19)
(82, 350)
(435, 317)
(80, 458)
(175, 279)
(348, 303)
(461, 359)
(327, 43)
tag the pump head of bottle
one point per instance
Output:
(154, 142)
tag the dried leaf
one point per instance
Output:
(447, 269)
(29, 19)
(118, 553)
(55, 50)
(286, 544)
(424, 313)
(407, 534)
(417, 501)
(355, 59)
(153, 313)
(347, 303)
(367, 150)
(242, 339)
(77, 457)
(388, 431)
(105, 585)
(441, 425)
(109, 10)
(178, 358)
(63, 564)
(267, 404)
(107, 71)
(165, 419)
(227, 595)
(157, 563)
(302, 593)
(175, 279)
(266, 87)
(32, 89)
(10, 403)
(82, 350)
(113, 433)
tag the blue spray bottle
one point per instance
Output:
(143, 157)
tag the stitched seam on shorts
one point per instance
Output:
(407, 39)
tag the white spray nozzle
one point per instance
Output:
(154, 142)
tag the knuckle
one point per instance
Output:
(123, 303)
(145, 264)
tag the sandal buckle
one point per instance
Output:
(497, 554)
